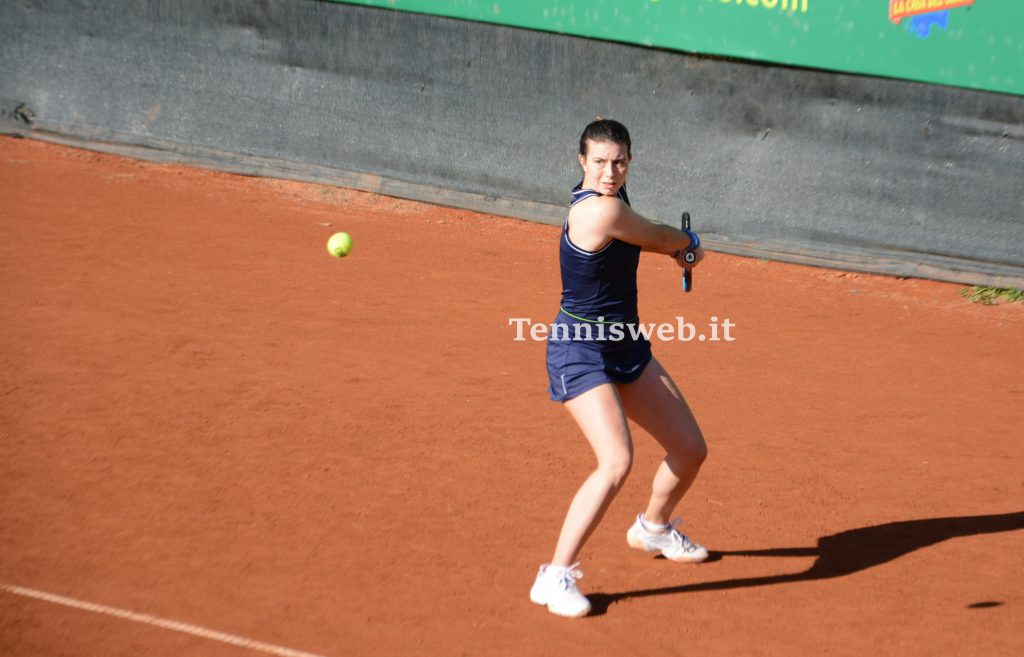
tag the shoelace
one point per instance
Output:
(567, 580)
(678, 537)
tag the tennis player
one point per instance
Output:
(604, 374)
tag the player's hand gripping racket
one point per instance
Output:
(689, 257)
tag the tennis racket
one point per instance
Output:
(689, 256)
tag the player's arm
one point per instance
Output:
(611, 216)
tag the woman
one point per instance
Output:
(603, 374)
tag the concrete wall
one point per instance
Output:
(853, 172)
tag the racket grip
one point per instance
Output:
(687, 273)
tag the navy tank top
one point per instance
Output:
(598, 285)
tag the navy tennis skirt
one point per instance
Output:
(582, 355)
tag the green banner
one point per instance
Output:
(968, 43)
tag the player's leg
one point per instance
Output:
(599, 414)
(654, 402)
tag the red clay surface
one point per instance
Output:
(206, 418)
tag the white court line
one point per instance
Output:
(176, 626)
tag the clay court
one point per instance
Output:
(206, 419)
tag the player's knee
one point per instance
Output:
(699, 452)
(616, 468)
(693, 452)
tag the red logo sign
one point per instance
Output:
(900, 9)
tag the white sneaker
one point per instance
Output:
(555, 587)
(672, 543)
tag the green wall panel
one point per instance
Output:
(969, 43)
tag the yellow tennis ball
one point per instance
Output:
(339, 245)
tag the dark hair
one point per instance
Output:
(605, 130)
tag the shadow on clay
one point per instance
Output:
(845, 553)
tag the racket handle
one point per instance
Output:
(687, 273)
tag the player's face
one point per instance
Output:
(605, 167)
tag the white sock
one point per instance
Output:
(651, 527)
